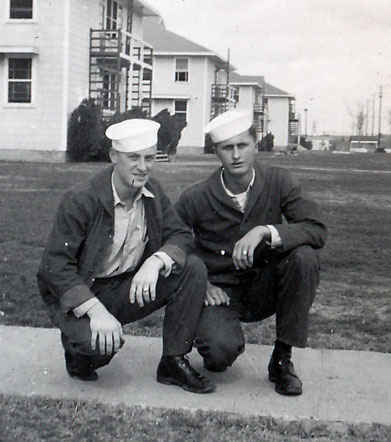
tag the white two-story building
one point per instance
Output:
(195, 84)
(53, 54)
(189, 80)
(273, 108)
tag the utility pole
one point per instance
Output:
(380, 116)
(373, 113)
(305, 122)
(298, 130)
(367, 118)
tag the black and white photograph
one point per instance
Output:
(194, 220)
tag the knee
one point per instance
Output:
(196, 267)
(305, 258)
(220, 351)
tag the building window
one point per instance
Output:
(113, 15)
(182, 69)
(109, 94)
(21, 9)
(181, 110)
(19, 80)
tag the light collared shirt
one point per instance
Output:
(240, 201)
(130, 236)
(129, 241)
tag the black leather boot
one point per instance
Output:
(282, 373)
(176, 370)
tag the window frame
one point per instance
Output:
(177, 71)
(180, 112)
(8, 80)
(109, 18)
(109, 100)
(22, 20)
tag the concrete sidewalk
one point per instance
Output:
(347, 386)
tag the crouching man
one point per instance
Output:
(116, 253)
(258, 236)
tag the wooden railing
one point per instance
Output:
(109, 43)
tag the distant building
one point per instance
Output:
(189, 80)
(320, 142)
(282, 120)
(363, 143)
(53, 54)
(273, 108)
(249, 96)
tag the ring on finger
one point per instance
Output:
(244, 252)
(145, 289)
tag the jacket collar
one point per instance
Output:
(102, 185)
(216, 188)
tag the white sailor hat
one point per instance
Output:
(133, 135)
(228, 124)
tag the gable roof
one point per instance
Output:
(248, 80)
(165, 42)
(271, 90)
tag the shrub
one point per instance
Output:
(170, 131)
(85, 133)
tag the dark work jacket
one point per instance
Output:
(275, 198)
(84, 228)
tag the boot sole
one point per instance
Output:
(86, 378)
(173, 381)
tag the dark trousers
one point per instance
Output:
(286, 287)
(182, 293)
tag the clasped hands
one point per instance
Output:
(106, 330)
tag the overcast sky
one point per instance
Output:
(331, 54)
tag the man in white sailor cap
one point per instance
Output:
(258, 236)
(116, 253)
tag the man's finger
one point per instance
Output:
(120, 331)
(139, 297)
(132, 294)
(251, 256)
(153, 291)
(94, 335)
(109, 344)
(102, 343)
(145, 294)
(117, 340)
(211, 300)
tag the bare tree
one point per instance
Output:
(358, 118)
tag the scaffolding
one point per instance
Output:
(120, 71)
(222, 99)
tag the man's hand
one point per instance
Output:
(243, 253)
(105, 329)
(215, 295)
(143, 287)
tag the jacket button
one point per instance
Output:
(222, 252)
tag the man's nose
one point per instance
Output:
(141, 163)
(235, 152)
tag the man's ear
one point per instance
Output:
(113, 155)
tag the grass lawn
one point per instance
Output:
(38, 419)
(352, 309)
